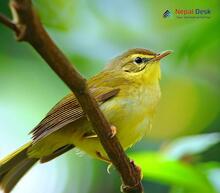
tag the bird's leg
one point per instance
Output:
(100, 156)
(113, 131)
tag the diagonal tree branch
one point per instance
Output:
(27, 26)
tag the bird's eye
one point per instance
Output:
(138, 60)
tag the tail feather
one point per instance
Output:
(14, 166)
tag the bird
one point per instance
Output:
(127, 91)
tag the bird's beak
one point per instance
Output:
(162, 55)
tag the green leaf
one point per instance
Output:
(212, 171)
(191, 145)
(159, 168)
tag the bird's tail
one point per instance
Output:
(14, 166)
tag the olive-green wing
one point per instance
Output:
(67, 111)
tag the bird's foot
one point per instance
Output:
(113, 131)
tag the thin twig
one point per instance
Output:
(29, 28)
(7, 22)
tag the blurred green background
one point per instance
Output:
(181, 154)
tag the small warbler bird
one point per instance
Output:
(127, 91)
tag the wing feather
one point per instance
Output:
(67, 111)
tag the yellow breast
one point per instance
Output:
(132, 115)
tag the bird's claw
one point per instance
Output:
(113, 131)
(109, 168)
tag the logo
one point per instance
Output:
(192, 13)
(166, 14)
(188, 13)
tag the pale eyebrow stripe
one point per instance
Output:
(142, 56)
(133, 56)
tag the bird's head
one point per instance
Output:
(139, 63)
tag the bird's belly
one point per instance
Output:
(131, 121)
(132, 131)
